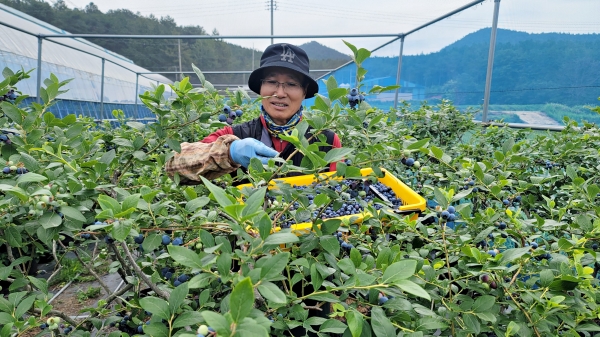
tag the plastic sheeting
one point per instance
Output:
(68, 58)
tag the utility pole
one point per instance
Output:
(272, 8)
(180, 70)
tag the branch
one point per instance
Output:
(59, 314)
(121, 270)
(143, 276)
(89, 268)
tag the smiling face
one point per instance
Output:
(282, 103)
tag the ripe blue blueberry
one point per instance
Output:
(183, 278)
(239, 113)
(166, 239)
(506, 202)
(410, 161)
(451, 217)
(595, 246)
(232, 115)
(492, 253)
(227, 109)
(502, 225)
(177, 283)
(139, 239)
(43, 326)
(140, 329)
(451, 209)
(229, 121)
(383, 299)
(168, 275)
(518, 198)
(445, 214)
(353, 91)
(222, 118)
(6, 170)
(177, 242)
(534, 245)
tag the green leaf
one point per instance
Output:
(330, 244)
(333, 326)
(327, 297)
(271, 292)
(351, 46)
(194, 204)
(13, 237)
(338, 154)
(108, 157)
(217, 322)
(331, 83)
(155, 329)
(487, 316)
(187, 318)
(12, 112)
(30, 177)
(399, 271)
(131, 202)
(336, 93)
(413, 288)
(24, 306)
(158, 307)
(418, 144)
(254, 202)
(185, 256)
(281, 238)
(41, 284)
(472, 323)
(546, 277)
(382, 327)
(361, 55)
(249, 328)
(217, 192)
(510, 255)
(151, 242)
(241, 300)
(272, 266)
(178, 296)
(72, 213)
(121, 229)
(108, 203)
(355, 322)
(483, 303)
(6, 318)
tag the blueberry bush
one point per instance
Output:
(508, 245)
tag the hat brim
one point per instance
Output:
(255, 79)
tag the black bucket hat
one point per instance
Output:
(287, 56)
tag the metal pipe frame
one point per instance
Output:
(212, 37)
(39, 71)
(102, 90)
(490, 65)
(217, 72)
(398, 73)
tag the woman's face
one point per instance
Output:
(281, 103)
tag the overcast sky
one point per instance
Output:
(323, 17)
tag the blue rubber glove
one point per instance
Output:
(242, 150)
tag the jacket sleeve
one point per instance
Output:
(210, 160)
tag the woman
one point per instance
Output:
(283, 81)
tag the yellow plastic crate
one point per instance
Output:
(412, 201)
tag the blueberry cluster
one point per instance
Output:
(355, 192)
(410, 162)
(486, 279)
(4, 138)
(354, 98)
(13, 168)
(550, 164)
(511, 200)
(10, 96)
(229, 115)
(345, 245)
(470, 182)
(447, 215)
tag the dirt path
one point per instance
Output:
(534, 117)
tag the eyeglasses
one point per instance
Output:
(288, 87)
